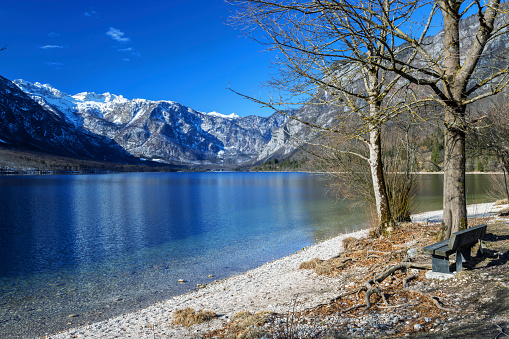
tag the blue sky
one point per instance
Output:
(159, 50)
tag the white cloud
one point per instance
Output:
(54, 64)
(132, 51)
(117, 35)
(53, 34)
(91, 14)
(50, 47)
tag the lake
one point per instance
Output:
(102, 245)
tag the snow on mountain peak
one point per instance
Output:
(99, 98)
(224, 116)
(43, 89)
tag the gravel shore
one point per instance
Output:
(271, 287)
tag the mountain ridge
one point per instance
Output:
(163, 131)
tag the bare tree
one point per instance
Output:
(332, 59)
(351, 174)
(454, 76)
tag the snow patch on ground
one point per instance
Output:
(473, 211)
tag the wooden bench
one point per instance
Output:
(460, 242)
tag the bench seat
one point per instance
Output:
(440, 248)
(460, 243)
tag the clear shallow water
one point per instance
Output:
(101, 245)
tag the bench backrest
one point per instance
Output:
(467, 237)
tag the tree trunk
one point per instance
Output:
(505, 166)
(377, 175)
(372, 83)
(454, 204)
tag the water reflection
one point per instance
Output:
(429, 195)
(55, 222)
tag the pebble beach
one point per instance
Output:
(278, 286)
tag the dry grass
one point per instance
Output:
(349, 242)
(188, 317)
(320, 266)
(310, 264)
(244, 325)
(501, 202)
(324, 269)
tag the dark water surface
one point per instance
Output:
(101, 245)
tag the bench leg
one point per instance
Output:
(440, 264)
(462, 255)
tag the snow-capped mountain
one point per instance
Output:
(27, 125)
(163, 131)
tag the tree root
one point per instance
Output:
(401, 266)
(343, 263)
(347, 254)
(353, 308)
(370, 289)
(340, 296)
(393, 306)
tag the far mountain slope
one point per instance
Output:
(163, 131)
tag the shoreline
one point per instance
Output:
(270, 287)
(274, 286)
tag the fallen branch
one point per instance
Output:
(353, 308)
(501, 331)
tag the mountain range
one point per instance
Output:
(111, 127)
